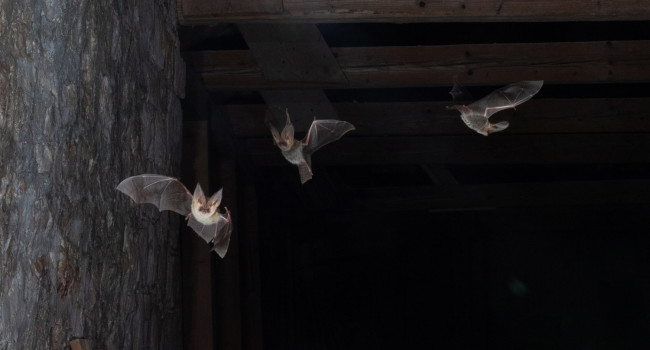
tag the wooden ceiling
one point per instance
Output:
(387, 67)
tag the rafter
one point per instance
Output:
(192, 12)
(420, 66)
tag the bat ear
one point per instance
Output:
(287, 132)
(198, 194)
(275, 134)
(216, 198)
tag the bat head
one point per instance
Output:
(460, 108)
(284, 140)
(205, 206)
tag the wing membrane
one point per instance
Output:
(166, 193)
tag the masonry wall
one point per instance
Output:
(89, 94)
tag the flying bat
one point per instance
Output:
(476, 114)
(202, 213)
(321, 132)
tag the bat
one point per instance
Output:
(202, 213)
(476, 114)
(321, 132)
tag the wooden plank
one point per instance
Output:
(470, 149)
(403, 11)
(303, 106)
(558, 62)
(295, 52)
(292, 52)
(492, 196)
(190, 10)
(419, 66)
(588, 115)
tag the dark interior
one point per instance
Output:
(415, 232)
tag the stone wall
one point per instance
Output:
(89, 94)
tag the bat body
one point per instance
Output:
(321, 132)
(202, 214)
(476, 115)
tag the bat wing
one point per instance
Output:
(324, 131)
(217, 233)
(506, 97)
(166, 193)
(222, 240)
(304, 169)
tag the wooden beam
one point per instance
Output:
(303, 105)
(418, 66)
(588, 115)
(470, 149)
(492, 196)
(192, 12)
(292, 52)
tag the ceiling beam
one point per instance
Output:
(420, 66)
(192, 12)
(585, 115)
(492, 196)
(294, 52)
(470, 149)
(302, 105)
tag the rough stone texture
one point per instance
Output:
(89, 94)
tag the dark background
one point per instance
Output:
(355, 258)
(560, 277)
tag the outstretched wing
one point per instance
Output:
(218, 233)
(506, 97)
(304, 169)
(166, 193)
(222, 240)
(324, 131)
